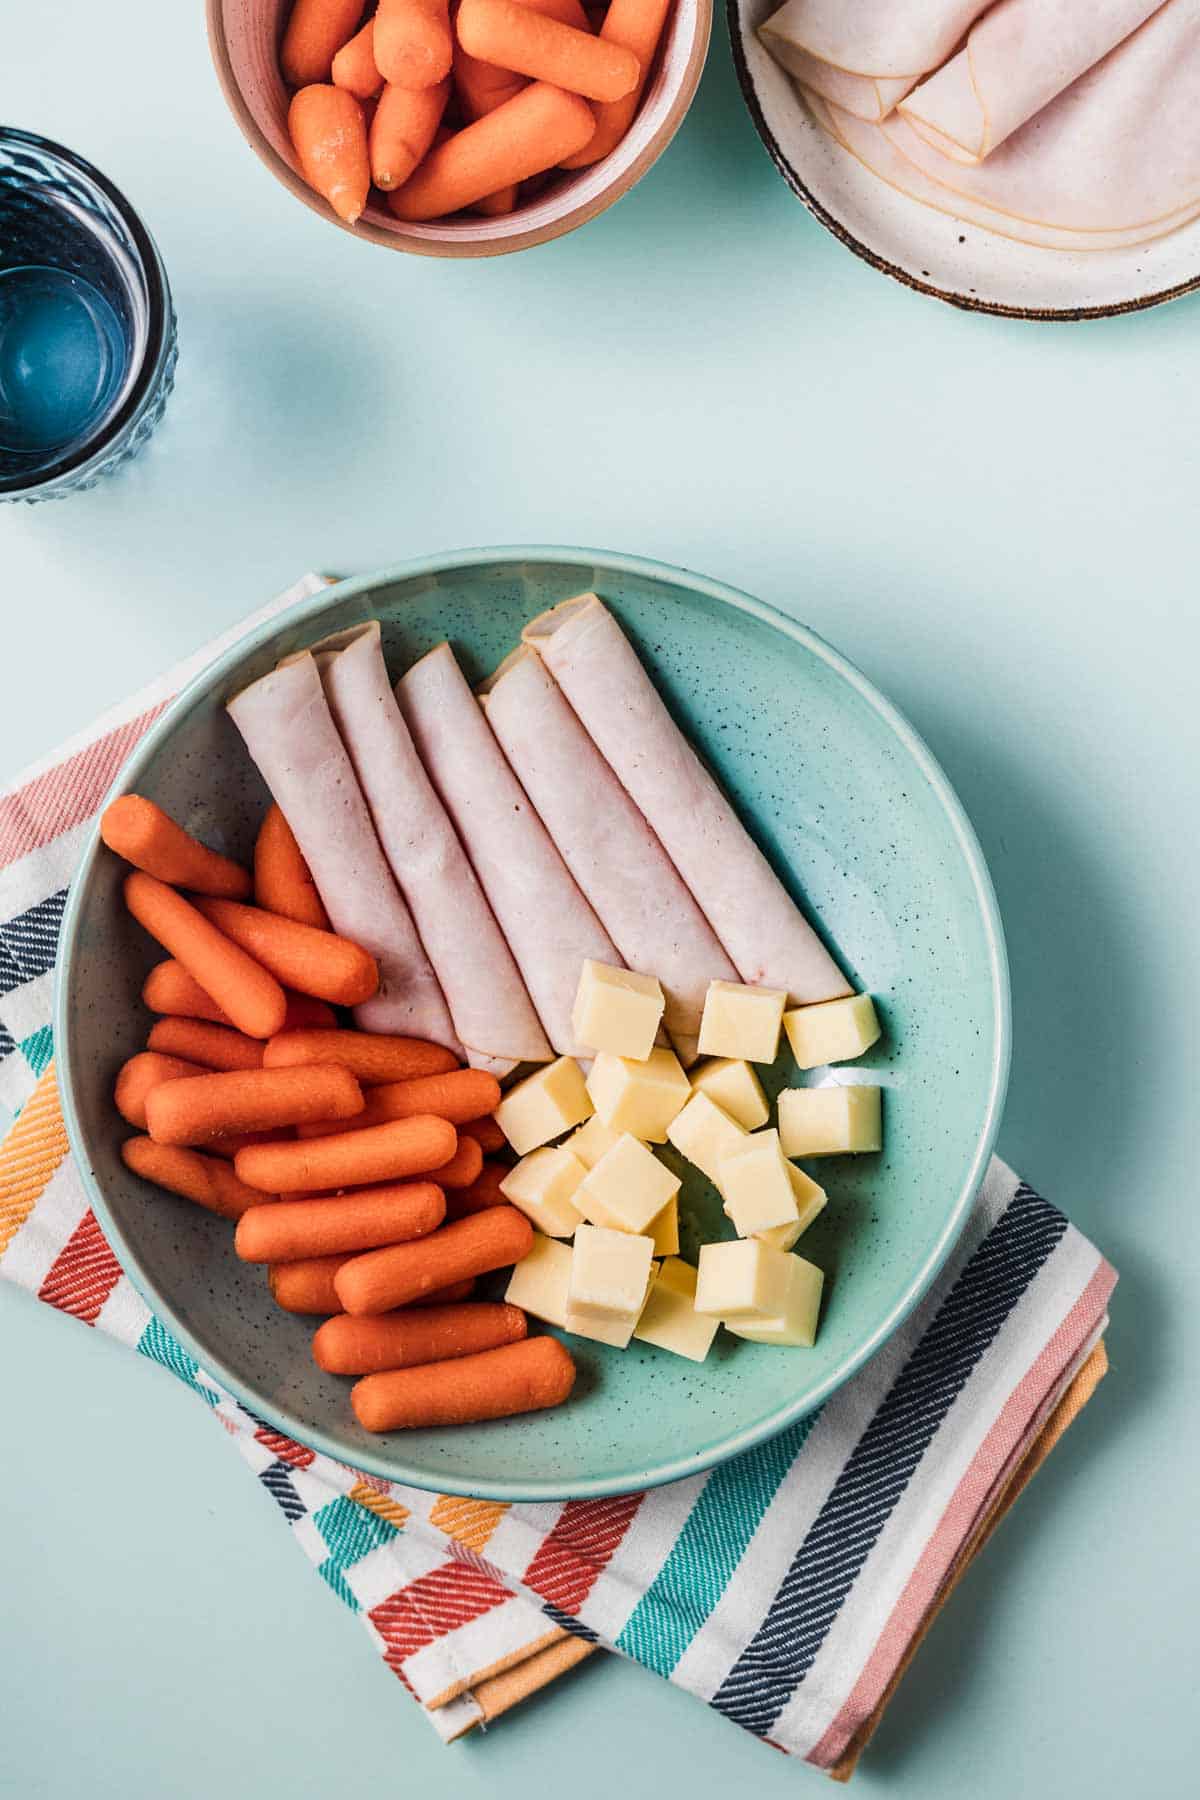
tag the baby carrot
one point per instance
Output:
(515, 37)
(402, 130)
(483, 1192)
(487, 1134)
(306, 1286)
(204, 1179)
(143, 834)
(228, 1143)
(533, 131)
(351, 1159)
(494, 1384)
(463, 1168)
(354, 65)
(329, 135)
(286, 1230)
(400, 1340)
(315, 32)
(212, 1046)
(283, 882)
(313, 962)
(459, 1095)
(142, 1073)
(253, 999)
(413, 44)
(249, 1100)
(304, 1013)
(383, 1279)
(638, 25)
(374, 1058)
(168, 988)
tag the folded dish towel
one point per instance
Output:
(788, 1588)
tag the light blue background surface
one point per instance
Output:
(998, 522)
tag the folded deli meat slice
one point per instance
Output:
(1017, 58)
(765, 935)
(865, 55)
(291, 736)
(492, 1012)
(606, 843)
(550, 928)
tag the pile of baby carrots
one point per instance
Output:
(452, 105)
(359, 1169)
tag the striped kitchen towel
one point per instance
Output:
(788, 1588)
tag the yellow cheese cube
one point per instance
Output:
(830, 1121)
(664, 1229)
(810, 1200)
(605, 1329)
(796, 1325)
(669, 1318)
(732, 1083)
(617, 1010)
(627, 1188)
(756, 1186)
(542, 1186)
(544, 1105)
(591, 1141)
(610, 1273)
(539, 1281)
(833, 1031)
(640, 1098)
(743, 1280)
(741, 1021)
(704, 1133)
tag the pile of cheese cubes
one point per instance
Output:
(603, 1188)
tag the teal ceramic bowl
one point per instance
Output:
(855, 813)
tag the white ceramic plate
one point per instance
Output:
(929, 250)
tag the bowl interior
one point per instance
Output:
(246, 36)
(846, 801)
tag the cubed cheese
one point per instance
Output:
(664, 1229)
(741, 1021)
(610, 1272)
(810, 1200)
(609, 1330)
(539, 1281)
(704, 1132)
(796, 1325)
(669, 1318)
(617, 1010)
(542, 1186)
(755, 1184)
(833, 1031)
(830, 1121)
(591, 1141)
(743, 1280)
(732, 1083)
(627, 1188)
(639, 1097)
(544, 1105)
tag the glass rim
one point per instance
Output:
(158, 308)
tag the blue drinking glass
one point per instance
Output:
(87, 329)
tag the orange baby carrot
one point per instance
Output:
(253, 999)
(402, 130)
(228, 1143)
(413, 43)
(494, 1384)
(143, 834)
(305, 1013)
(287, 1230)
(638, 25)
(313, 962)
(459, 1095)
(249, 1100)
(316, 30)
(463, 1168)
(383, 1279)
(533, 131)
(212, 1046)
(351, 1159)
(483, 1192)
(204, 1179)
(487, 1134)
(306, 1286)
(142, 1073)
(374, 1058)
(168, 988)
(401, 1340)
(515, 37)
(354, 65)
(283, 882)
(329, 135)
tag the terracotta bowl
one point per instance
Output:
(244, 37)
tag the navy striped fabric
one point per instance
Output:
(858, 1506)
(277, 1479)
(29, 943)
(7, 1046)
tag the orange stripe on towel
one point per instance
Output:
(29, 1156)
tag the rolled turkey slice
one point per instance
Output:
(605, 842)
(764, 933)
(289, 732)
(492, 1013)
(1017, 58)
(862, 54)
(550, 928)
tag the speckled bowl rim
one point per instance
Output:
(392, 1466)
(1062, 315)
